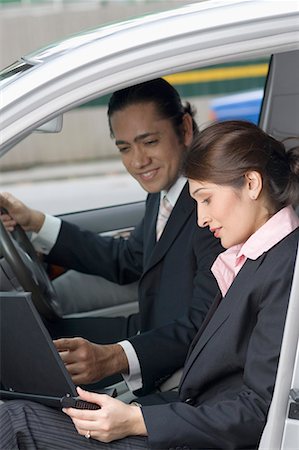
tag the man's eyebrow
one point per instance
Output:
(140, 137)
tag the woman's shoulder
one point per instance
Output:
(283, 254)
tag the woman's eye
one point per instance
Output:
(206, 201)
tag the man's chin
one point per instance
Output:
(151, 188)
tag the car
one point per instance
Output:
(240, 106)
(39, 90)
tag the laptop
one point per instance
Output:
(30, 365)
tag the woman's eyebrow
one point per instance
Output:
(198, 191)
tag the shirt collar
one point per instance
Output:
(269, 234)
(229, 263)
(174, 192)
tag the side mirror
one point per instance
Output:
(52, 126)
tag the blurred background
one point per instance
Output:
(83, 153)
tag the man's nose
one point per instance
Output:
(140, 158)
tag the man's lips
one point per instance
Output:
(148, 175)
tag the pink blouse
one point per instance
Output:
(228, 263)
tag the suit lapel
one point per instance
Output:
(150, 220)
(181, 212)
(222, 312)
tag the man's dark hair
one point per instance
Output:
(165, 97)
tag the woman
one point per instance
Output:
(244, 183)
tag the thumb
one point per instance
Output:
(92, 397)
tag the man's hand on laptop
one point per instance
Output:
(88, 362)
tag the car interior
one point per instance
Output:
(20, 267)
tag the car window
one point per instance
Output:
(79, 168)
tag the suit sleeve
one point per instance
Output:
(233, 415)
(118, 260)
(163, 350)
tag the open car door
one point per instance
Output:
(280, 118)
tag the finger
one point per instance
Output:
(82, 426)
(4, 216)
(75, 368)
(71, 359)
(64, 344)
(92, 397)
(82, 416)
(4, 199)
(9, 224)
(8, 201)
(64, 355)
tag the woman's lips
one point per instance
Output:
(215, 231)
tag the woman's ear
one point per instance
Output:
(187, 129)
(254, 184)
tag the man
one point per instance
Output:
(152, 130)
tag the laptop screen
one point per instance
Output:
(30, 364)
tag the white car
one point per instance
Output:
(42, 86)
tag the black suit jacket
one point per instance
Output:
(228, 379)
(168, 269)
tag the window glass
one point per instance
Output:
(80, 168)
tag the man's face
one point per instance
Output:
(150, 148)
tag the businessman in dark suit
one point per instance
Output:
(229, 375)
(166, 268)
(152, 130)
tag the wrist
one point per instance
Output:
(37, 220)
(114, 361)
(120, 362)
(137, 424)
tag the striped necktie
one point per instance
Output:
(164, 213)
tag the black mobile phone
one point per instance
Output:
(76, 402)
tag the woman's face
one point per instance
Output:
(232, 215)
(149, 146)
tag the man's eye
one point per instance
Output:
(206, 201)
(151, 142)
(123, 149)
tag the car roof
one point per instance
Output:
(100, 61)
(195, 16)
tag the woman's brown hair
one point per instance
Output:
(225, 151)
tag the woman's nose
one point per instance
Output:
(202, 219)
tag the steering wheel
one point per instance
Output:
(20, 254)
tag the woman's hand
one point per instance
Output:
(114, 420)
(88, 362)
(18, 213)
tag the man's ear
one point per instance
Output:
(187, 129)
(254, 184)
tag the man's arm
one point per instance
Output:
(118, 260)
(19, 213)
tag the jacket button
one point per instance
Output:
(189, 401)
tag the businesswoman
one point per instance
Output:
(244, 183)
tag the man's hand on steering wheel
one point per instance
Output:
(19, 253)
(14, 212)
